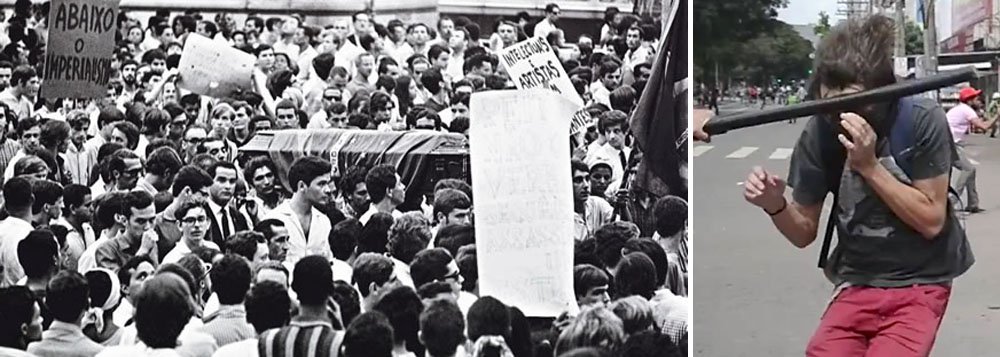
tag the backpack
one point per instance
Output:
(901, 140)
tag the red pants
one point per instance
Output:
(873, 322)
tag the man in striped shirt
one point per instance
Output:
(311, 332)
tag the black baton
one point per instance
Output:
(723, 124)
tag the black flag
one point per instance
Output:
(659, 123)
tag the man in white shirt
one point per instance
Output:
(458, 42)
(548, 24)
(609, 76)
(611, 124)
(18, 200)
(20, 95)
(386, 190)
(308, 228)
(225, 220)
(268, 307)
(193, 220)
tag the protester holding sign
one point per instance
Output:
(174, 100)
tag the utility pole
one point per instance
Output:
(930, 36)
(900, 29)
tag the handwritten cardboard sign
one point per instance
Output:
(524, 207)
(532, 63)
(215, 70)
(80, 44)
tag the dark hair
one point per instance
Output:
(375, 235)
(488, 316)
(371, 268)
(670, 213)
(452, 237)
(162, 309)
(163, 161)
(369, 335)
(312, 280)
(67, 296)
(38, 252)
(432, 80)
(306, 169)
(623, 99)
(455, 183)
(131, 132)
(54, 133)
(25, 124)
(612, 118)
(322, 64)
(243, 243)
(856, 51)
(231, 279)
(344, 238)
(429, 265)
(266, 227)
(586, 277)
(22, 74)
(17, 309)
(468, 266)
(402, 306)
(347, 298)
(379, 179)
(73, 196)
(46, 192)
(152, 55)
(611, 239)
(125, 272)
(402, 92)
(635, 275)
(650, 344)
(442, 327)
(268, 306)
(432, 289)
(137, 199)
(108, 205)
(654, 252)
(193, 177)
(351, 178)
(449, 199)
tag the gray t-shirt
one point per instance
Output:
(876, 248)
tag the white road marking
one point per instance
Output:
(781, 154)
(742, 152)
(701, 149)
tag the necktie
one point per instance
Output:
(225, 224)
(621, 156)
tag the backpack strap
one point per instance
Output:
(834, 155)
(901, 135)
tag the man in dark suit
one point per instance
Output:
(225, 219)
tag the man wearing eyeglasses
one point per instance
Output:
(194, 136)
(193, 220)
(548, 24)
(137, 238)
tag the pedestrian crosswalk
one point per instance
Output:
(744, 152)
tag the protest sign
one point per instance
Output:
(532, 63)
(581, 121)
(524, 204)
(80, 44)
(209, 68)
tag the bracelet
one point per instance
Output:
(782, 209)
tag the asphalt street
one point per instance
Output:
(757, 295)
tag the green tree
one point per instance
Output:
(781, 53)
(721, 27)
(823, 25)
(914, 39)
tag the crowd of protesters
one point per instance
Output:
(134, 226)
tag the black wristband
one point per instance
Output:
(782, 209)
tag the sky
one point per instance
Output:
(801, 12)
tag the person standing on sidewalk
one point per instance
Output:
(962, 118)
(899, 245)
